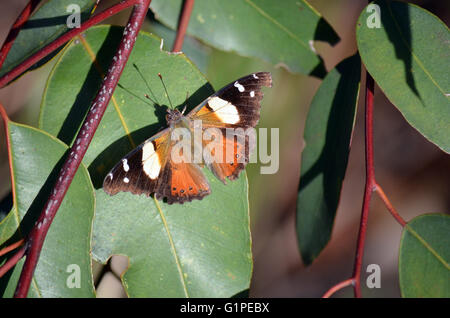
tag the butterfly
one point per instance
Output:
(151, 167)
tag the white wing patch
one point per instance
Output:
(226, 111)
(126, 167)
(150, 161)
(240, 87)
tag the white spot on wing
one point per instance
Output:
(150, 161)
(226, 111)
(126, 167)
(110, 175)
(126, 180)
(239, 86)
(252, 94)
(255, 77)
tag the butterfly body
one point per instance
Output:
(158, 167)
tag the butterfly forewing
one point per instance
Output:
(236, 105)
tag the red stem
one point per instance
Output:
(11, 247)
(389, 205)
(12, 261)
(17, 26)
(36, 237)
(49, 48)
(369, 188)
(182, 26)
(337, 287)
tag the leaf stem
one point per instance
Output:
(182, 25)
(338, 286)
(36, 237)
(11, 247)
(389, 205)
(12, 261)
(49, 48)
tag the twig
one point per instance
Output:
(36, 237)
(389, 205)
(14, 31)
(49, 48)
(369, 188)
(337, 287)
(11, 247)
(182, 25)
(12, 261)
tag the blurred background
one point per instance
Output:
(414, 173)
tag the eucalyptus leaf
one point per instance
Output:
(328, 131)
(408, 55)
(424, 257)
(280, 32)
(64, 267)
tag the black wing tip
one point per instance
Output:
(265, 78)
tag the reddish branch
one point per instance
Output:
(182, 25)
(370, 187)
(35, 239)
(46, 50)
(12, 35)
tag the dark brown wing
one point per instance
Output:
(236, 105)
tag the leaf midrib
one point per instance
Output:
(427, 246)
(418, 61)
(277, 24)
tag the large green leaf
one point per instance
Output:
(408, 56)
(44, 26)
(327, 135)
(197, 249)
(424, 257)
(280, 32)
(37, 158)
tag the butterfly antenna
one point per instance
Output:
(154, 101)
(165, 88)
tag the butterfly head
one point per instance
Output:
(173, 116)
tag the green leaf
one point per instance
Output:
(424, 257)
(197, 52)
(408, 58)
(280, 32)
(198, 249)
(44, 26)
(37, 158)
(328, 131)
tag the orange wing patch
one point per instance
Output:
(187, 183)
(232, 160)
